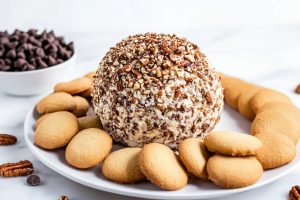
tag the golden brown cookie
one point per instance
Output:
(234, 172)
(264, 96)
(40, 119)
(232, 143)
(282, 107)
(87, 93)
(90, 75)
(244, 100)
(54, 102)
(194, 156)
(82, 106)
(162, 167)
(277, 150)
(75, 86)
(88, 148)
(89, 122)
(274, 121)
(233, 87)
(56, 130)
(122, 166)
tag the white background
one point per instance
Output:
(256, 40)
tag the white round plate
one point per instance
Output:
(230, 120)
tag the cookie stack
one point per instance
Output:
(275, 119)
(64, 122)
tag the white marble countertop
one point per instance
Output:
(264, 54)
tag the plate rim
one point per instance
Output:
(141, 194)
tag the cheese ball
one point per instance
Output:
(156, 88)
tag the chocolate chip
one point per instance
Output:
(8, 61)
(59, 61)
(19, 63)
(14, 38)
(4, 40)
(35, 42)
(40, 63)
(17, 32)
(2, 50)
(2, 62)
(40, 52)
(70, 46)
(3, 33)
(21, 55)
(51, 48)
(5, 68)
(32, 32)
(30, 67)
(51, 61)
(33, 180)
(11, 54)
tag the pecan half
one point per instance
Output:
(6, 139)
(294, 193)
(20, 168)
(297, 90)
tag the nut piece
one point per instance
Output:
(20, 168)
(63, 198)
(6, 139)
(297, 90)
(294, 193)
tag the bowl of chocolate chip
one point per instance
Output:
(32, 62)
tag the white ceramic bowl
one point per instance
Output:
(36, 81)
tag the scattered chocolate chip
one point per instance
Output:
(33, 180)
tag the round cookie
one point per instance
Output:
(87, 93)
(89, 122)
(90, 75)
(56, 130)
(265, 96)
(233, 87)
(40, 119)
(162, 167)
(231, 96)
(274, 121)
(277, 150)
(122, 166)
(282, 107)
(194, 155)
(54, 102)
(244, 100)
(232, 143)
(88, 148)
(233, 172)
(75, 86)
(82, 106)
